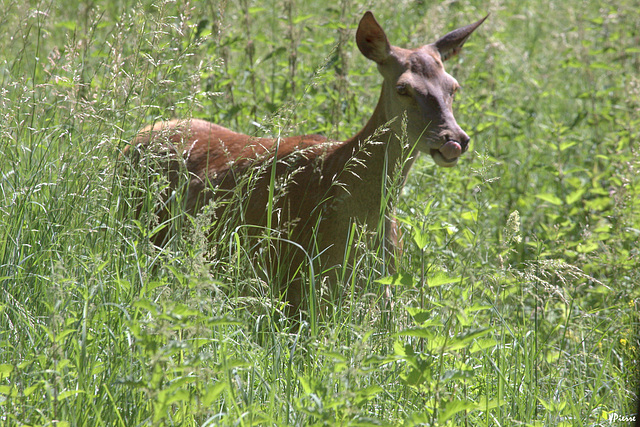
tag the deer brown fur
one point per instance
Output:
(328, 185)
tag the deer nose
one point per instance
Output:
(464, 140)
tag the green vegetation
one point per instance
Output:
(516, 300)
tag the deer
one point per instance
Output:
(327, 186)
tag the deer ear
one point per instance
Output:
(371, 39)
(450, 44)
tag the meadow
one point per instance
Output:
(516, 299)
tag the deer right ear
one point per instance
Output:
(451, 43)
(371, 39)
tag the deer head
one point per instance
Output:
(416, 85)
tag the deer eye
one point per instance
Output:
(402, 89)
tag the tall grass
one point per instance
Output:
(516, 297)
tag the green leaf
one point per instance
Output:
(403, 350)
(335, 355)
(302, 18)
(398, 279)
(453, 407)
(69, 25)
(29, 390)
(485, 404)
(483, 344)
(567, 144)
(598, 204)
(420, 315)
(416, 333)
(440, 278)
(457, 374)
(366, 394)
(602, 66)
(146, 305)
(420, 418)
(151, 285)
(552, 356)
(182, 310)
(575, 196)
(464, 339)
(420, 238)
(212, 393)
(8, 390)
(415, 377)
(65, 333)
(478, 307)
(5, 370)
(471, 215)
(551, 198)
(69, 393)
(587, 247)
(235, 363)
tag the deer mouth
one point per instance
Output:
(447, 155)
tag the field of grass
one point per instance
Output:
(517, 297)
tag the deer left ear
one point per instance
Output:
(371, 39)
(450, 44)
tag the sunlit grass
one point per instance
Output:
(516, 297)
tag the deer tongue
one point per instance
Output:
(451, 150)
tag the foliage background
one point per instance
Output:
(517, 297)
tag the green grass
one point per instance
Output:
(516, 300)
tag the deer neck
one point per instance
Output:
(379, 145)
